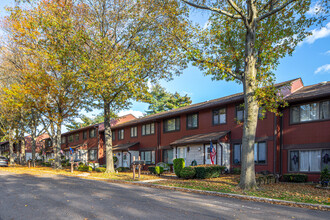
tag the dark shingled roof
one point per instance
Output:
(191, 108)
(200, 138)
(320, 90)
(124, 146)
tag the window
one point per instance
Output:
(310, 112)
(92, 133)
(168, 156)
(192, 121)
(133, 131)
(85, 135)
(121, 134)
(219, 116)
(49, 142)
(63, 140)
(70, 138)
(240, 112)
(92, 154)
(237, 154)
(172, 124)
(260, 152)
(148, 129)
(148, 156)
(77, 137)
(113, 135)
(308, 160)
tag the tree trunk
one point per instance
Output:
(33, 146)
(108, 138)
(11, 147)
(23, 158)
(247, 180)
(57, 148)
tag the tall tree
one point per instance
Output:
(243, 42)
(160, 100)
(130, 43)
(48, 33)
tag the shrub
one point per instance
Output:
(194, 163)
(178, 164)
(85, 168)
(236, 170)
(208, 171)
(100, 169)
(122, 169)
(295, 177)
(325, 177)
(152, 169)
(46, 164)
(188, 172)
(159, 170)
(115, 159)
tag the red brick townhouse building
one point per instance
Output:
(299, 141)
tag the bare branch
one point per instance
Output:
(275, 10)
(213, 9)
(236, 8)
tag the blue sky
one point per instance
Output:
(310, 61)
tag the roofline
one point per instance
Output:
(187, 109)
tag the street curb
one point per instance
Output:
(220, 194)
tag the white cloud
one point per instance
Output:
(318, 34)
(137, 114)
(315, 8)
(323, 69)
(327, 53)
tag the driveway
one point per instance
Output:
(61, 197)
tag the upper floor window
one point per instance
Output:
(121, 134)
(310, 112)
(192, 121)
(133, 131)
(63, 139)
(240, 112)
(172, 124)
(77, 137)
(70, 138)
(92, 133)
(85, 135)
(113, 135)
(219, 116)
(148, 129)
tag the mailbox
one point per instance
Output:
(139, 162)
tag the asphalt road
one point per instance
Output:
(60, 197)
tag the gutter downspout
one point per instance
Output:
(281, 143)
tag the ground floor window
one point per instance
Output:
(309, 160)
(92, 154)
(168, 156)
(260, 153)
(148, 156)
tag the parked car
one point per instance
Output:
(3, 161)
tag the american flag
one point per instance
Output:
(212, 153)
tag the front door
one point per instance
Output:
(207, 154)
(182, 152)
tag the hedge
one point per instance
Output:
(178, 165)
(295, 177)
(159, 170)
(46, 164)
(122, 169)
(188, 172)
(85, 168)
(208, 171)
(100, 169)
(152, 169)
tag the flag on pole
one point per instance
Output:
(212, 153)
(71, 151)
